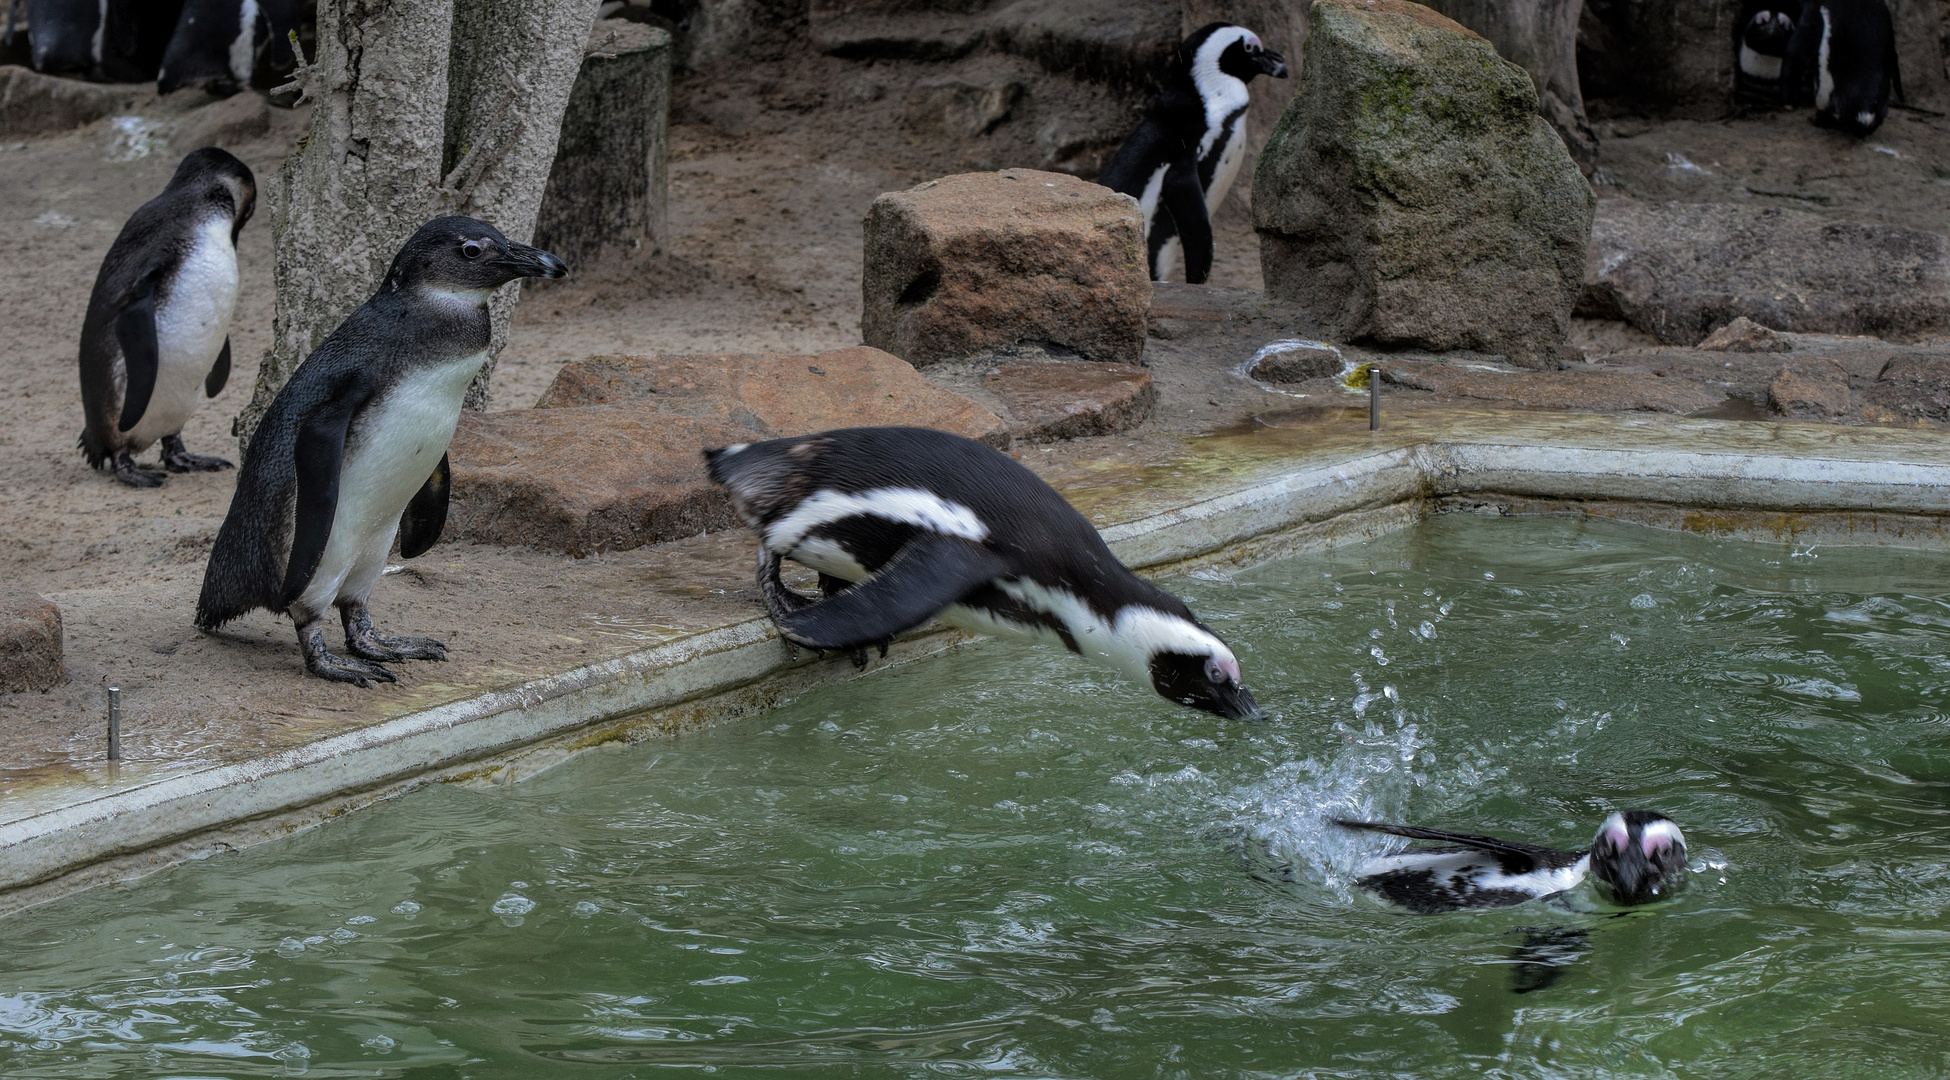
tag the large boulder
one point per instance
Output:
(1541, 37)
(30, 642)
(609, 459)
(1412, 195)
(1044, 400)
(1679, 270)
(983, 261)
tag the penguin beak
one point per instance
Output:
(524, 261)
(1233, 703)
(1272, 63)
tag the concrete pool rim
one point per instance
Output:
(1741, 480)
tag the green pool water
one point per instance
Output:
(1002, 862)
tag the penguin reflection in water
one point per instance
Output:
(353, 450)
(906, 524)
(156, 336)
(1182, 159)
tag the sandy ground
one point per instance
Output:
(771, 171)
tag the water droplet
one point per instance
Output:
(407, 908)
(1643, 601)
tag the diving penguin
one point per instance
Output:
(156, 336)
(1182, 159)
(1636, 857)
(353, 450)
(906, 524)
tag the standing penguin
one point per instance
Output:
(110, 40)
(353, 450)
(217, 43)
(157, 331)
(904, 524)
(1842, 61)
(1181, 160)
(1760, 41)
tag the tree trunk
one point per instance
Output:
(610, 184)
(422, 108)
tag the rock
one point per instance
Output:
(609, 186)
(609, 459)
(36, 104)
(30, 642)
(1914, 388)
(1541, 37)
(1296, 361)
(1810, 389)
(236, 119)
(1051, 400)
(1120, 41)
(1600, 390)
(1676, 270)
(1746, 336)
(1411, 195)
(981, 261)
(960, 108)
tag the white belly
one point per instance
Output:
(190, 329)
(1824, 78)
(1758, 65)
(243, 48)
(1227, 170)
(392, 449)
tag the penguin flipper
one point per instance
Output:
(213, 383)
(1185, 198)
(135, 330)
(927, 574)
(1515, 858)
(318, 455)
(426, 515)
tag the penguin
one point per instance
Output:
(156, 334)
(353, 450)
(1637, 857)
(1760, 40)
(906, 524)
(109, 40)
(217, 43)
(1842, 61)
(1182, 159)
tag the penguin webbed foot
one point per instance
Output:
(128, 472)
(367, 644)
(176, 458)
(322, 663)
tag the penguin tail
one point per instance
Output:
(94, 451)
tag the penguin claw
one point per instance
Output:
(177, 459)
(128, 472)
(362, 673)
(859, 658)
(383, 648)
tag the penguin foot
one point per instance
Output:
(320, 662)
(128, 472)
(859, 658)
(177, 459)
(363, 642)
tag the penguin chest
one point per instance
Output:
(1438, 880)
(391, 448)
(243, 47)
(1219, 162)
(192, 321)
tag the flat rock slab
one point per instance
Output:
(1679, 270)
(30, 642)
(1827, 377)
(36, 104)
(1049, 401)
(983, 261)
(609, 459)
(1597, 390)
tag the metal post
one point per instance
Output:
(1374, 397)
(114, 723)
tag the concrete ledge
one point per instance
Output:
(1270, 499)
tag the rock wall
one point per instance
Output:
(1412, 196)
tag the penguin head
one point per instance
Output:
(1187, 663)
(220, 180)
(1638, 855)
(1225, 49)
(1767, 32)
(461, 256)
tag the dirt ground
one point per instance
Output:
(772, 168)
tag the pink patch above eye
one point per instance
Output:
(1230, 667)
(1618, 838)
(1652, 842)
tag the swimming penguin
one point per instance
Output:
(1181, 160)
(155, 339)
(1842, 61)
(1637, 856)
(1760, 40)
(906, 524)
(353, 450)
(217, 43)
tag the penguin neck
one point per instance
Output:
(1221, 94)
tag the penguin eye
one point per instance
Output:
(472, 249)
(1215, 672)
